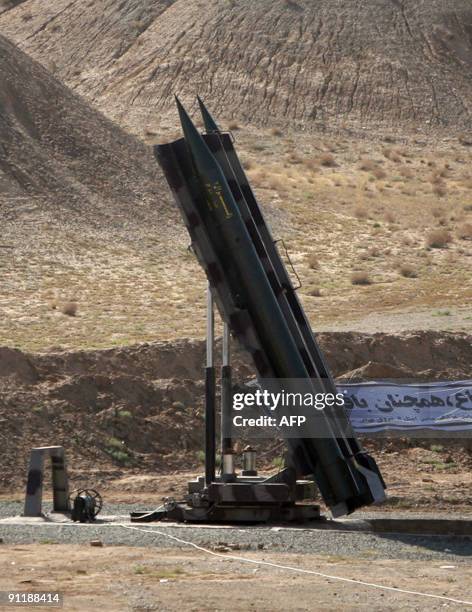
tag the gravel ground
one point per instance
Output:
(15, 508)
(295, 540)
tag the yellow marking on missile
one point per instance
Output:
(217, 191)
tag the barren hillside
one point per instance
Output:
(374, 63)
(73, 163)
(378, 221)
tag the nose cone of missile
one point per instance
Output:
(210, 124)
(205, 163)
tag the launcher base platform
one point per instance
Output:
(246, 499)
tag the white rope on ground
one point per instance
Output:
(298, 569)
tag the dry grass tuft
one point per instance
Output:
(392, 155)
(406, 172)
(389, 217)
(327, 160)
(233, 126)
(312, 163)
(294, 158)
(379, 174)
(439, 174)
(361, 213)
(276, 132)
(367, 165)
(315, 292)
(465, 231)
(360, 278)
(313, 262)
(438, 239)
(440, 189)
(408, 271)
(69, 309)
(466, 140)
(277, 183)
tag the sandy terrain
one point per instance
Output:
(157, 579)
(361, 246)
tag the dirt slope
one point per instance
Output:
(58, 151)
(135, 407)
(79, 199)
(363, 62)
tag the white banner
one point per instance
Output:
(382, 406)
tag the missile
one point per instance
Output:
(343, 482)
(226, 155)
(210, 124)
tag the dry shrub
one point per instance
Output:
(437, 213)
(233, 126)
(438, 239)
(327, 160)
(247, 164)
(27, 17)
(389, 217)
(465, 231)
(440, 189)
(403, 151)
(466, 140)
(379, 173)
(294, 158)
(258, 176)
(331, 146)
(315, 292)
(372, 252)
(406, 172)
(360, 278)
(276, 132)
(439, 174)
(361, 213)
(408, 271)
(313, 262)
(69, 309)
(312, 163)
(277, 183)
(367, 165)
(392, 155)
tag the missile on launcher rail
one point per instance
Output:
(247, 298)
(222, 147)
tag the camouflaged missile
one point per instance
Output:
(222, 146)
(247, 299)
